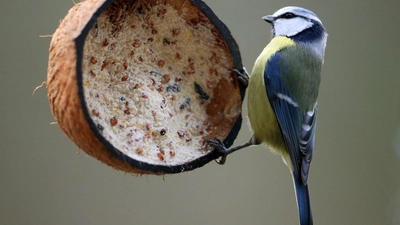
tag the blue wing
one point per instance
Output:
(297, 126)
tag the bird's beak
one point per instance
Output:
(269, 18)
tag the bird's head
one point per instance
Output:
(292, 21)
(299, 24)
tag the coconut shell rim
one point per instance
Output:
(143, 166)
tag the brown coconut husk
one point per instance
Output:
(66, 89)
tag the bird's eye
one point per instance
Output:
(288, 15)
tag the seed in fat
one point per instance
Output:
(104, 65)
(155, 73)
(163, 132)
(199, 90)
(161, 12)
(213, 71)
(160, 88)
(166, 78)
(113, 121)
(105, 42)
(160, 156)
(161, 63)
(93, 60)
(180, 133)
(100, 127)
(175, 31)
(148, 126)
(124, 78)
(95, 112)
(136, 43)
(166, 41)
(139, 150)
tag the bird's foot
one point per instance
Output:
(243, 76)
(219, 145)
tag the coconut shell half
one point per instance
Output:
(141, 85)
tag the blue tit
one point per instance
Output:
(282, 96)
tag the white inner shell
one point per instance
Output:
(139, 84)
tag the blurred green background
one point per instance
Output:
(355, 175)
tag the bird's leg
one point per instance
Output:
(217, 143)
(243, 76)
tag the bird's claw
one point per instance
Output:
(243, 76)
(219, 145)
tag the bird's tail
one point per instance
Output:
(303, 201)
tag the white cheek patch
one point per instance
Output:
(291, 27)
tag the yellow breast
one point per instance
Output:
(261, 116)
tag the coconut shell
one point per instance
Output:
(66, 94)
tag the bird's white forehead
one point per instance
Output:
(297, 11)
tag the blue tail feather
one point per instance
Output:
(303, 201)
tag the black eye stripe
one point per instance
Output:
(287, 15)
(290, 15)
